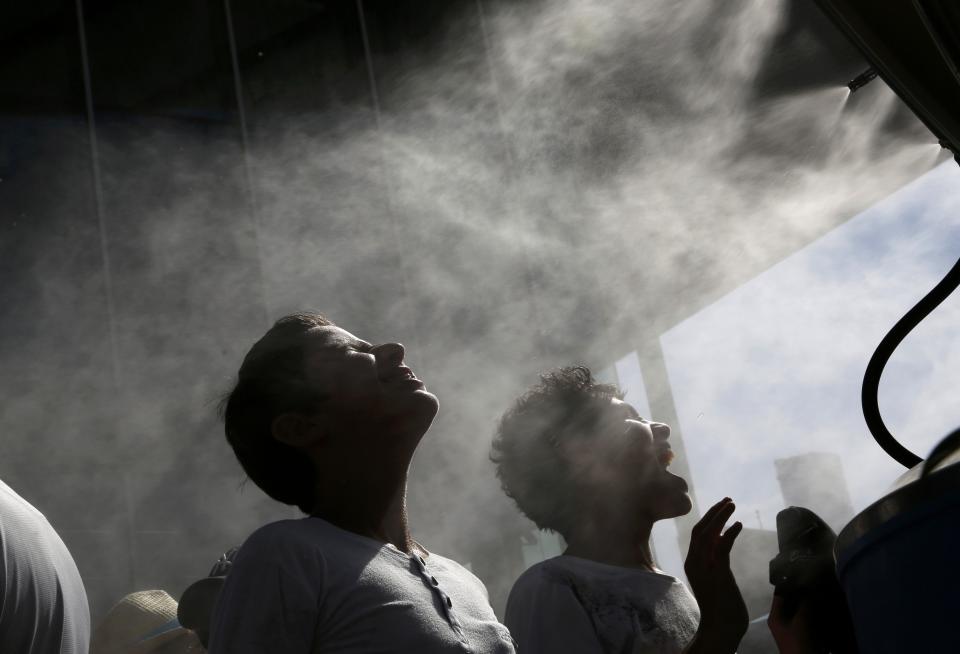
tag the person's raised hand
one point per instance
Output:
(723, 614)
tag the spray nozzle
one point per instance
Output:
(862, 80)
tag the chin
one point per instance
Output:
(425, 408)
(684, 505)
(675, 495)
(429, 400)
(411, 413)
(676, 507)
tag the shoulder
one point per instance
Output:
(22, 521)
(305, 543)
(280, 532)
(286, 558)
(271, 597)
(541, 579)
(545, 613)
(550, 571)
(455, 569)
(459, 573)
(38, 575)
(28, 540)
(306, 532)
(569, 578)
(284, 541)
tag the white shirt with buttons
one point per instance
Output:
(306, 586)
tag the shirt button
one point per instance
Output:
(433, 580)
(449, 602)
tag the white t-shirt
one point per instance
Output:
(574, 605)
(308, 587)
(43, 604)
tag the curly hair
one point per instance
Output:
(567, 403)
(273, 380)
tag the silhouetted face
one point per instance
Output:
(625, 465)
(367, 388)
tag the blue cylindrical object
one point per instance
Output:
(899, 564)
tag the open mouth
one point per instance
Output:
(400, 374)
(665, 456)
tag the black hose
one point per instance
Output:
(890, 342)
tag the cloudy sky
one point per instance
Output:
(774, 369)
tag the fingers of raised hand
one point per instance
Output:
(727, 539)
(712, 528)
(709, 516)
(719, 520)
(707, 546)
(703, 535)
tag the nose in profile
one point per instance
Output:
(660, 430)
(390, 354)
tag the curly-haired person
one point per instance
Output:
(580, 461)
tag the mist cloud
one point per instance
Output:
(537, 184)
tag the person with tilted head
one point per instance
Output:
(328, 422)
(580, 461)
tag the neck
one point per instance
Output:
(369, 499)
(612, 540)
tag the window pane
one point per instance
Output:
(774, 369)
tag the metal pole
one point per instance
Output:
(248, 166)
(619, 383)
(662, 408)
(97, 180)
(98, 196)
